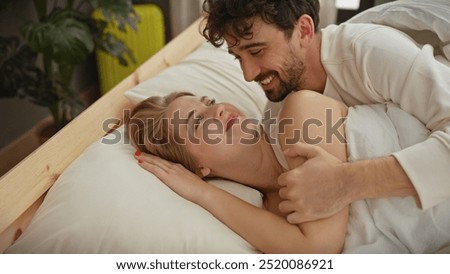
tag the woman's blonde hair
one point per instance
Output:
(149, 132)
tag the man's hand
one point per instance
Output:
(313, 190)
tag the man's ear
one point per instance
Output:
(305, 25)
(203, 172)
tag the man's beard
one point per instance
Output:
(294, 69)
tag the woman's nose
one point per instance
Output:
(215, 111)
(219, 110)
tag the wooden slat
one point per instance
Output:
(23, 186)
(15, 230)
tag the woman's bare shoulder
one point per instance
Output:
(308, 101)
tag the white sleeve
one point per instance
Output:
(396, 69)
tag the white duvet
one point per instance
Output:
(391, 225)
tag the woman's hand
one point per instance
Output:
(185, 183)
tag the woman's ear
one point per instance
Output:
(203, 172)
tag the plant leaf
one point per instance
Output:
(17, 67)
(65, 37)
(121, 11)
(43, 92)
(116, 48)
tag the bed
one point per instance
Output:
(82, 192)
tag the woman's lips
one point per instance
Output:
(232, 119)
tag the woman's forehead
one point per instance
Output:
(184, 105)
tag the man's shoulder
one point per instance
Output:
(353, 31)
(342, 42)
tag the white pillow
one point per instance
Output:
(105, 203)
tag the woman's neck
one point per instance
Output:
(267, 177)
(263, 174)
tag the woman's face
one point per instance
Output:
(214, 134)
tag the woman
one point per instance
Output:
(214, 140)
(210, 141)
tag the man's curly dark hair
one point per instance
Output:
(236, 17)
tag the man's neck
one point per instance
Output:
(316, 74)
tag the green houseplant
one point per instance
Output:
(40, 65)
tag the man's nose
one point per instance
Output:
(250, 69)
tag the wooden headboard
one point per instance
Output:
(23, 188)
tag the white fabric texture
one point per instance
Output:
(105, 203)
(363, 69)
(425, 21)
(391, 225)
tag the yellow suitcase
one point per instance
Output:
(149, 39)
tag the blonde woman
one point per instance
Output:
(184, 139)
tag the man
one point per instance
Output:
(278, 45)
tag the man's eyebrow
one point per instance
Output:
(248, 46)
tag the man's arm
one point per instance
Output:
(411, 77)
(377, 178)
(388, 66)
(351, 181)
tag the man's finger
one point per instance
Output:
(286, 206)
(282, 181)
(297, 218)
(290, 178)
(302, 150)
(283, 193)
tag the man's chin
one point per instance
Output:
(275, 96)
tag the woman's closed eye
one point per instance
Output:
(198, 120)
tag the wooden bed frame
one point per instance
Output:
(23, 188)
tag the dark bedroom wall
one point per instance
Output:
(16, 115)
